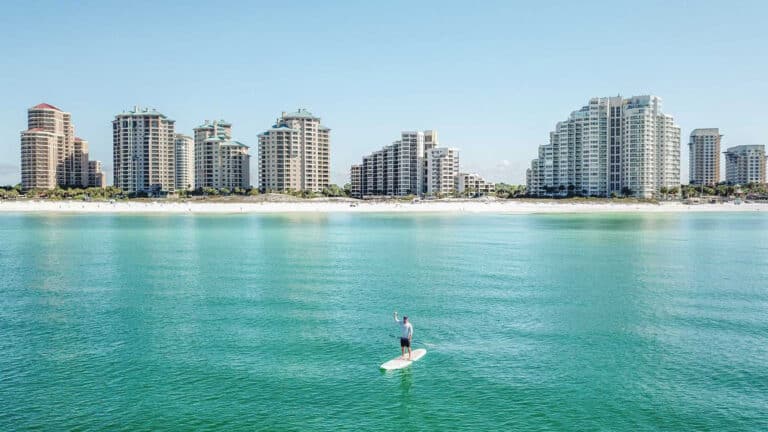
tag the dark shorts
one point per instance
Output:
(404, 342)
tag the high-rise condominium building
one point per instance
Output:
(220, 162)
(745, 164)
(51, 156)
(206, 162)
(294, 154)
(144, 151)
(96, 175)
(704, 156)
(472, 184)
(185, 162)
(442, 168)
(399, 169)
(355, 184)
(612, 145)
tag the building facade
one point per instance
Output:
(220, 161)
(704, 156)
(745, 164)
(144, 151)
(610, 146)
(442, 169)
(51, 155)
(399, 169)
(355, 184)
(294, 154)
(184, 162)
(96, 176)
(473, 184)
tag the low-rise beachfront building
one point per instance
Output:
(185, 162)
(355, 190)
(704, 156)
(144, 151)
(613, 145)
(96, 176)
(745, 164)
(442, 169)
(473, 184)
(295, 154)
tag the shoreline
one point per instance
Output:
(462, 207)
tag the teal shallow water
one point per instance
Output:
(247, 322)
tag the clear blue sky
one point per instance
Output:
(492, 77)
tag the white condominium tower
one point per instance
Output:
(745, 164)
(399, 169)
(51, 155)
(185, 162)
(704, 156)
(442, 169)
(294, 154)
(610, 146)
(355, 184)
(144, 151)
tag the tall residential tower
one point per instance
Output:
(220, 161)
(144, 151)
(294, 154)
(610, 146)
(704, 156)
(745, 164)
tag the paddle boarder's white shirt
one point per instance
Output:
(406, 329)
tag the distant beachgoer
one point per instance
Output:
(406, 335)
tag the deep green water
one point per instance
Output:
(597, 322)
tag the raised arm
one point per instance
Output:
(395, 316)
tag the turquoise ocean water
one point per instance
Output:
(251, 322)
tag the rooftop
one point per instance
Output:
(208, 124)
(139, 111)
(300, 113)
(223, 140)
(45, 106)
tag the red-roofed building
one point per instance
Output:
(50, 154)
(45, 106)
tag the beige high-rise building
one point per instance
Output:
(79, 175)
(442, 169)
(220, 161)
(230, 164)
(294, 154)
(96, 175)
(745, 164)
(704, 156)
(50, 154)
(144, 151)
(185, 162)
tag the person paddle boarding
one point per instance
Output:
(406, 335)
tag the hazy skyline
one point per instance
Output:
(492, 79)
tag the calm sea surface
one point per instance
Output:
(249, 322)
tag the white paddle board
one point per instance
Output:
(399, 362)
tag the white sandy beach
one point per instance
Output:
(309, 206)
